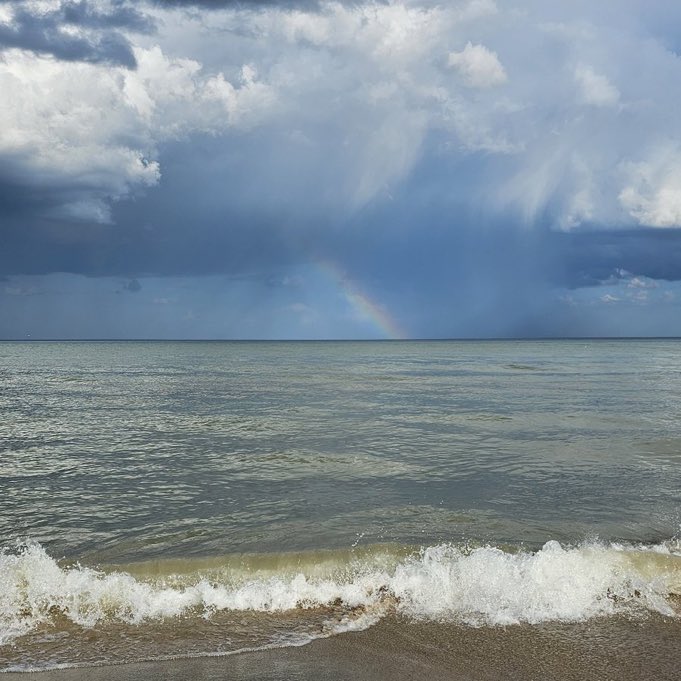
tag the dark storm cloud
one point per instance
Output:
(236, 4)
(23, 196)
(591, 258)
(120, 16)
(148, 238)
(235, 226)
(102, 40)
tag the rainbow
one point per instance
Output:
(361, 302)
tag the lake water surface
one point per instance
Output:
(164, 499)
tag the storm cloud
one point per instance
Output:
(73, 31)
(466, 167)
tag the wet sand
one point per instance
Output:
(393, 650)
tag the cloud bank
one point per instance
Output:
(465, 164)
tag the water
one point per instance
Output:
(159, 499)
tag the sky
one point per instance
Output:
(216, 169)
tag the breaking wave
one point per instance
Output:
(477, 586)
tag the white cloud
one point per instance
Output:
(352, 97)
(642, 283)
(476, 9)
(580, 208)
(652, 194)
(479, 67)
(64, 124)
(6, 14)
(595, 88)
(246, 105)
(658, 208)
(97, 128)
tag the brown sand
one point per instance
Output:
(393, 650)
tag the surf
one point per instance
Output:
(484, 585)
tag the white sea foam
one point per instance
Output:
(480, 586)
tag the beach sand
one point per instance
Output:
(604, 649)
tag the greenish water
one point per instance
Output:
(131, 456)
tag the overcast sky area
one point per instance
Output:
(179, 169)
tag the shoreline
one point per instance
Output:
(399, 650)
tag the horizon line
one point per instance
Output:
(336, 340)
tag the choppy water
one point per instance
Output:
(191, 498)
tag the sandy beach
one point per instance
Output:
(597, 650)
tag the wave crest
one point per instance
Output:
(485, 585)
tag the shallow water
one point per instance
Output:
(387, 476)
